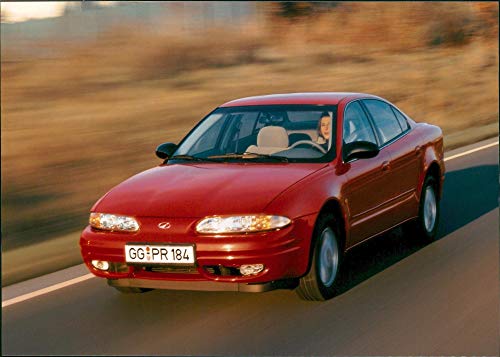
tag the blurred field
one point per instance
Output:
(76, 124)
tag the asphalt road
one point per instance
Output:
(398, 297)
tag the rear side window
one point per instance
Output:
(386, 122)
(401, 119)
(356, 125)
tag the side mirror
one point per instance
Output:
(360, 150)
(165, 150)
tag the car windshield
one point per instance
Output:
(278, 133)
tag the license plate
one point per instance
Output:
(159, 254)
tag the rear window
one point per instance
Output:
(302, 116)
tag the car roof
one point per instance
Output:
(314, 98)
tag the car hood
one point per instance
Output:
(197, 190)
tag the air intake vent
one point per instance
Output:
(222, 270)
(171, 269)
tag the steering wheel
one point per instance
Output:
(309, 142)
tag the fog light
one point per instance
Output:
(251, 269)
(100, 264)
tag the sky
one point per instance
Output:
(22, 11)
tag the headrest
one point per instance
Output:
(275, 136)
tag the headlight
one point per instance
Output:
(111, 222)
(241, 224)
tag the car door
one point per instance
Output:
(365, 191)
(395, 135)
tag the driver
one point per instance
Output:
(323, 130)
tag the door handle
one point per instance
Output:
(386, 165)
(418, 149)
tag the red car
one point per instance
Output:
(268, 192)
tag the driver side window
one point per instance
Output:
(356, 125)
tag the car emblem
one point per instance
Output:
(164, 225)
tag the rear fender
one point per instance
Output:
(433, 155)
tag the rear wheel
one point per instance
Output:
(319, 283)
(426, 225)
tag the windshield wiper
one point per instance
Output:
(193, 158)
(249, 155)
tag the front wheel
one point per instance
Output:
(319, 282)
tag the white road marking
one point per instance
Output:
(46, 290)
(470, 151)
(89, 276)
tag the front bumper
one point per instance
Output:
(284, 253)
(193, 285)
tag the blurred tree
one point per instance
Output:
(488, 14)
(296, 9)
(451, 25)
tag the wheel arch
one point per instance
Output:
(332, 206)
(433, 170)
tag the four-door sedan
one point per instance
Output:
(268, 192)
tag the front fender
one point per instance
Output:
(309, 195)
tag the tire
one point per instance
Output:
(426, 225)
(131, 290)
(319, 283)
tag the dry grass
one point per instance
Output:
(73, 126)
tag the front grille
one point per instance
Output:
(171, 269)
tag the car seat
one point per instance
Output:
(271, 139)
